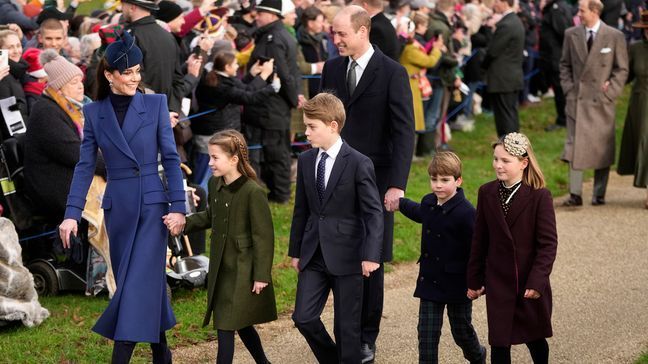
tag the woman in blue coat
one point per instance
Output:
(131, 129)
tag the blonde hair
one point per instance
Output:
(532, 175)
(5, 33)
(233, 143)
(445, 164)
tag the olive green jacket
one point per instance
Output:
(241, 252)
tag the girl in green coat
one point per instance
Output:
(240, 292)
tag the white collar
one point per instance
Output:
(333, 151)
(595, 28)
(363, 60)
(509, 11)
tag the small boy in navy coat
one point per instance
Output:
(448, 219)
(336, 233)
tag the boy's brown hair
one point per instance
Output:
(445, 164)
(51, 24)
(327, 108)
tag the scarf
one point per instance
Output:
(73, 110)
(34, 87)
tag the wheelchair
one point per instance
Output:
(53, 268)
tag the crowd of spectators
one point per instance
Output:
(251, 65)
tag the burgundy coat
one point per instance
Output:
(511, 254)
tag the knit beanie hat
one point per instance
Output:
(35, 69)
(168, 11)
(59, 70)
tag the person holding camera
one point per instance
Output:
(268, 124)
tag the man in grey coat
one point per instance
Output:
(593, 71)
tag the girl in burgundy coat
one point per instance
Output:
(513, 250)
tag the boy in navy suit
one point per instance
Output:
(448, 219)
(336, 233)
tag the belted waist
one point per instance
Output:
(132, 172)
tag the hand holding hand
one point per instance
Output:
(531, 294)
(392, 198)
(369, 267)
(294, 262)
(258, 287)
(175, 222)
(67, 227)
(474, 294)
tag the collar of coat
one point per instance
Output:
(269, 28)
(232, 187)
(453, 202)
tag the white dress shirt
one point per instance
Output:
(332, 152)
(362, 62)
(594, 30)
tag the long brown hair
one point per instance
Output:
(532, 175)
(221, 59)
(233, 143)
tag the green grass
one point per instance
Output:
(66, 335)
(643, 359)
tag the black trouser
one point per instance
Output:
(505, 110)
(250, 339)
(123, 350)
(373, 287)
(539, 350)
(270, 158)
(313, 286)
(553, 79)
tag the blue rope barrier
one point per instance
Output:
(53, 232)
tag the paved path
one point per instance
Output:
(600, 282)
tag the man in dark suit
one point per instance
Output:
(380, 124)
(336, 232)
(556, 18)
(383, 33)
(503, 65)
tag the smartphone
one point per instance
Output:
(4, 57)
(196, 51)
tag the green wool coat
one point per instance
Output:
(633, 158)
(241, 252)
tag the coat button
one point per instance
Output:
(321, 217)
(435, 282)
(421, 279)
(436, 258)
(427, 231)
(226, 204)
(136, 171)
(425, 255)
(439, 236)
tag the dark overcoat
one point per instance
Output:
(446, 237)
(134, 202)
(241, 252)
(379, 123)
(504, 56)
(510, 254)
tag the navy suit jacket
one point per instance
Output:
(347, 224)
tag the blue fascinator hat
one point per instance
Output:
(123, 53)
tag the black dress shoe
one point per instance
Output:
(367, 353)
(573, 200)
(597, 201)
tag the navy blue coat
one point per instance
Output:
(134, 203)
(445, 246)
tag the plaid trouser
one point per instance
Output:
(429, 331)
